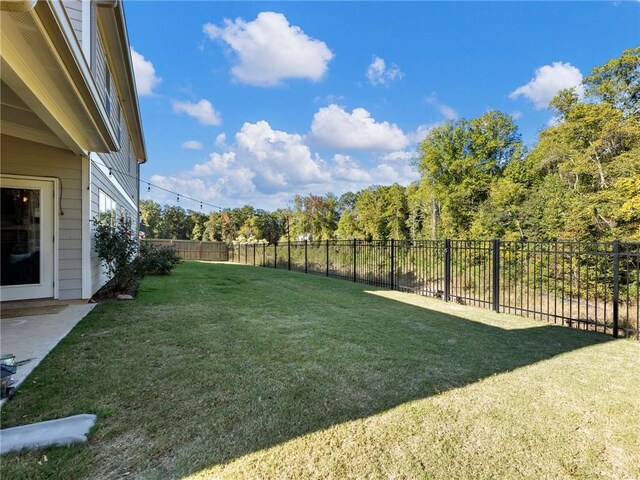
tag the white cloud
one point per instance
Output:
(347, 169)
(217, 164)
(145, 74)
(262, 160)
(379, 74)
(203, 111)
(221, 140)
(265, 167)
(553, 121)
(349, 174)
(228, 176)
(280, 159)
(192, 145)
(399, 156)
(386, 174)
(336, 128)
(270, 50)
(548, 81)
(447, 112)
(420, 133)
(193, 187)
(516, 115)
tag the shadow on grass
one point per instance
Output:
(218, 361)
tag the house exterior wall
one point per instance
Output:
(21, 157)
(83, 175)
(123, 162)
(121, 184)
(74, 12)
(101, 181)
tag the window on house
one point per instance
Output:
(125, 215)
(107, 208)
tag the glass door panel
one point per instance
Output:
(20, 222)
(26, 227)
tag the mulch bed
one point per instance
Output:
(108, 291)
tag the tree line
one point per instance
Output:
(580, 181)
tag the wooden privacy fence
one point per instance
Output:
(194, 250)
(587, 285)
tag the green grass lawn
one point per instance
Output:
(227, 371)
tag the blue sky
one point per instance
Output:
(254, 102)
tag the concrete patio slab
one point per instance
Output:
(33, 337)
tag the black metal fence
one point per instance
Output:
(592, 286)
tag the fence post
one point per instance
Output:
(354, 259)
(392, 261)
(275, 255)
(305, 256)
(616, 286)
(327, 258)
(254, 254)
(447, 270)
(288, 254)
(246, 254)
(496, 274)
(200, 253)
(264, 254)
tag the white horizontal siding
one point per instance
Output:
(20, 157)
(74, 12)
(123, 162)
(100, 181)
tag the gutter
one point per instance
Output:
(17, 5)
(115, 34)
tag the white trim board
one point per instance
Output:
(86, 227)
(56, 221)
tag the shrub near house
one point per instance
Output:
(116, 246)
(124, 259)
(156, 260)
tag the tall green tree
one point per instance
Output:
(593, 155)
(176, 223)
(396, 212)
(460, 161)
(380, 213)
(151, 216)
(370, 213)
(199, 220)
(618, 82)
(314, 217)
(213, 227)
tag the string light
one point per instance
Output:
(149, 185)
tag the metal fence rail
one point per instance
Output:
(586, 285)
